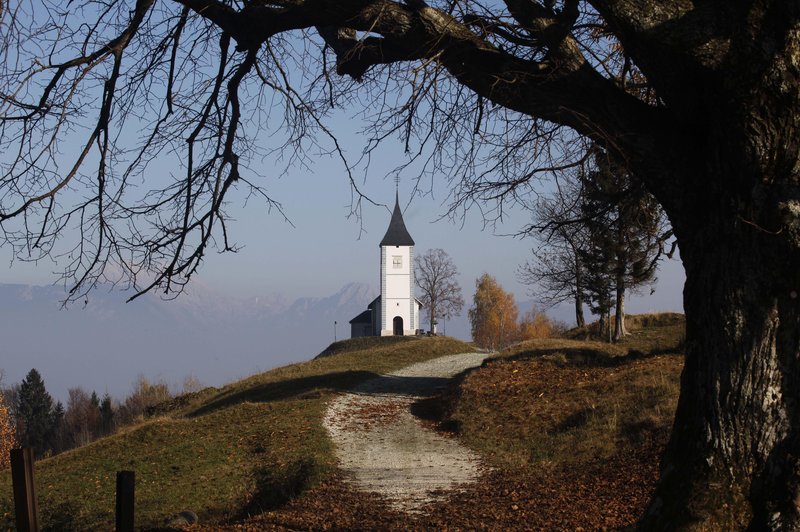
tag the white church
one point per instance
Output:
(396, 311)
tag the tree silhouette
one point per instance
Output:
(435, 275)
(107, 414)
(625, 240)
(556, 272)
(82, 417)
(600, 235)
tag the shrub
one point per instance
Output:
(535, 324)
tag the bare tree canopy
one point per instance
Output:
(435, 275)
(556, 273)
(598, 228)
(699, 100)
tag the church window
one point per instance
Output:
(397, 261)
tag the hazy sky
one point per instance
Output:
(323, 249)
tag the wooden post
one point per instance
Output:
(126, 483)
(24, 490)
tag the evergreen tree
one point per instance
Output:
(598, 259)
(35, 410)
(625, 240)
(58, 436)
(94, 400)
(106, 415)
(95, 421)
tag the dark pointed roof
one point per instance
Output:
(397, 234)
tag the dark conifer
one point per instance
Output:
(36, 414)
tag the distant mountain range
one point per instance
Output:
(104, 344)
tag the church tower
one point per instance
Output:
(398, 311)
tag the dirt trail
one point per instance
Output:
(383, 448)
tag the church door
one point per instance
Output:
(398, 326)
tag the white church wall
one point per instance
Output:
(397, 307)
(388, 259)
(397, 287)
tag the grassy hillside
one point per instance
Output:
(569, 401)
(224, 454)
(573, 429)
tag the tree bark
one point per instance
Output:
(732, 460)
(601, 325)
(621, 267)
(579, 319)
(619, 318)
(604, 325)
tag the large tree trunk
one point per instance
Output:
(733, 456)
(733, 460)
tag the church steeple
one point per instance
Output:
(397, 234)
(396, 311)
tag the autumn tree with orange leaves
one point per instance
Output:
(493, 315)
(8, 439)
(535, 324)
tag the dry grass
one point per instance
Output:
(564, 401)
(573, 429)
(223, 454)
(648, 333)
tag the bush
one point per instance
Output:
(535, 324)
(144, 397)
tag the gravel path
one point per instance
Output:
(383, 448)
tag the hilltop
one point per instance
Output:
(224, 454)
(571, 427)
